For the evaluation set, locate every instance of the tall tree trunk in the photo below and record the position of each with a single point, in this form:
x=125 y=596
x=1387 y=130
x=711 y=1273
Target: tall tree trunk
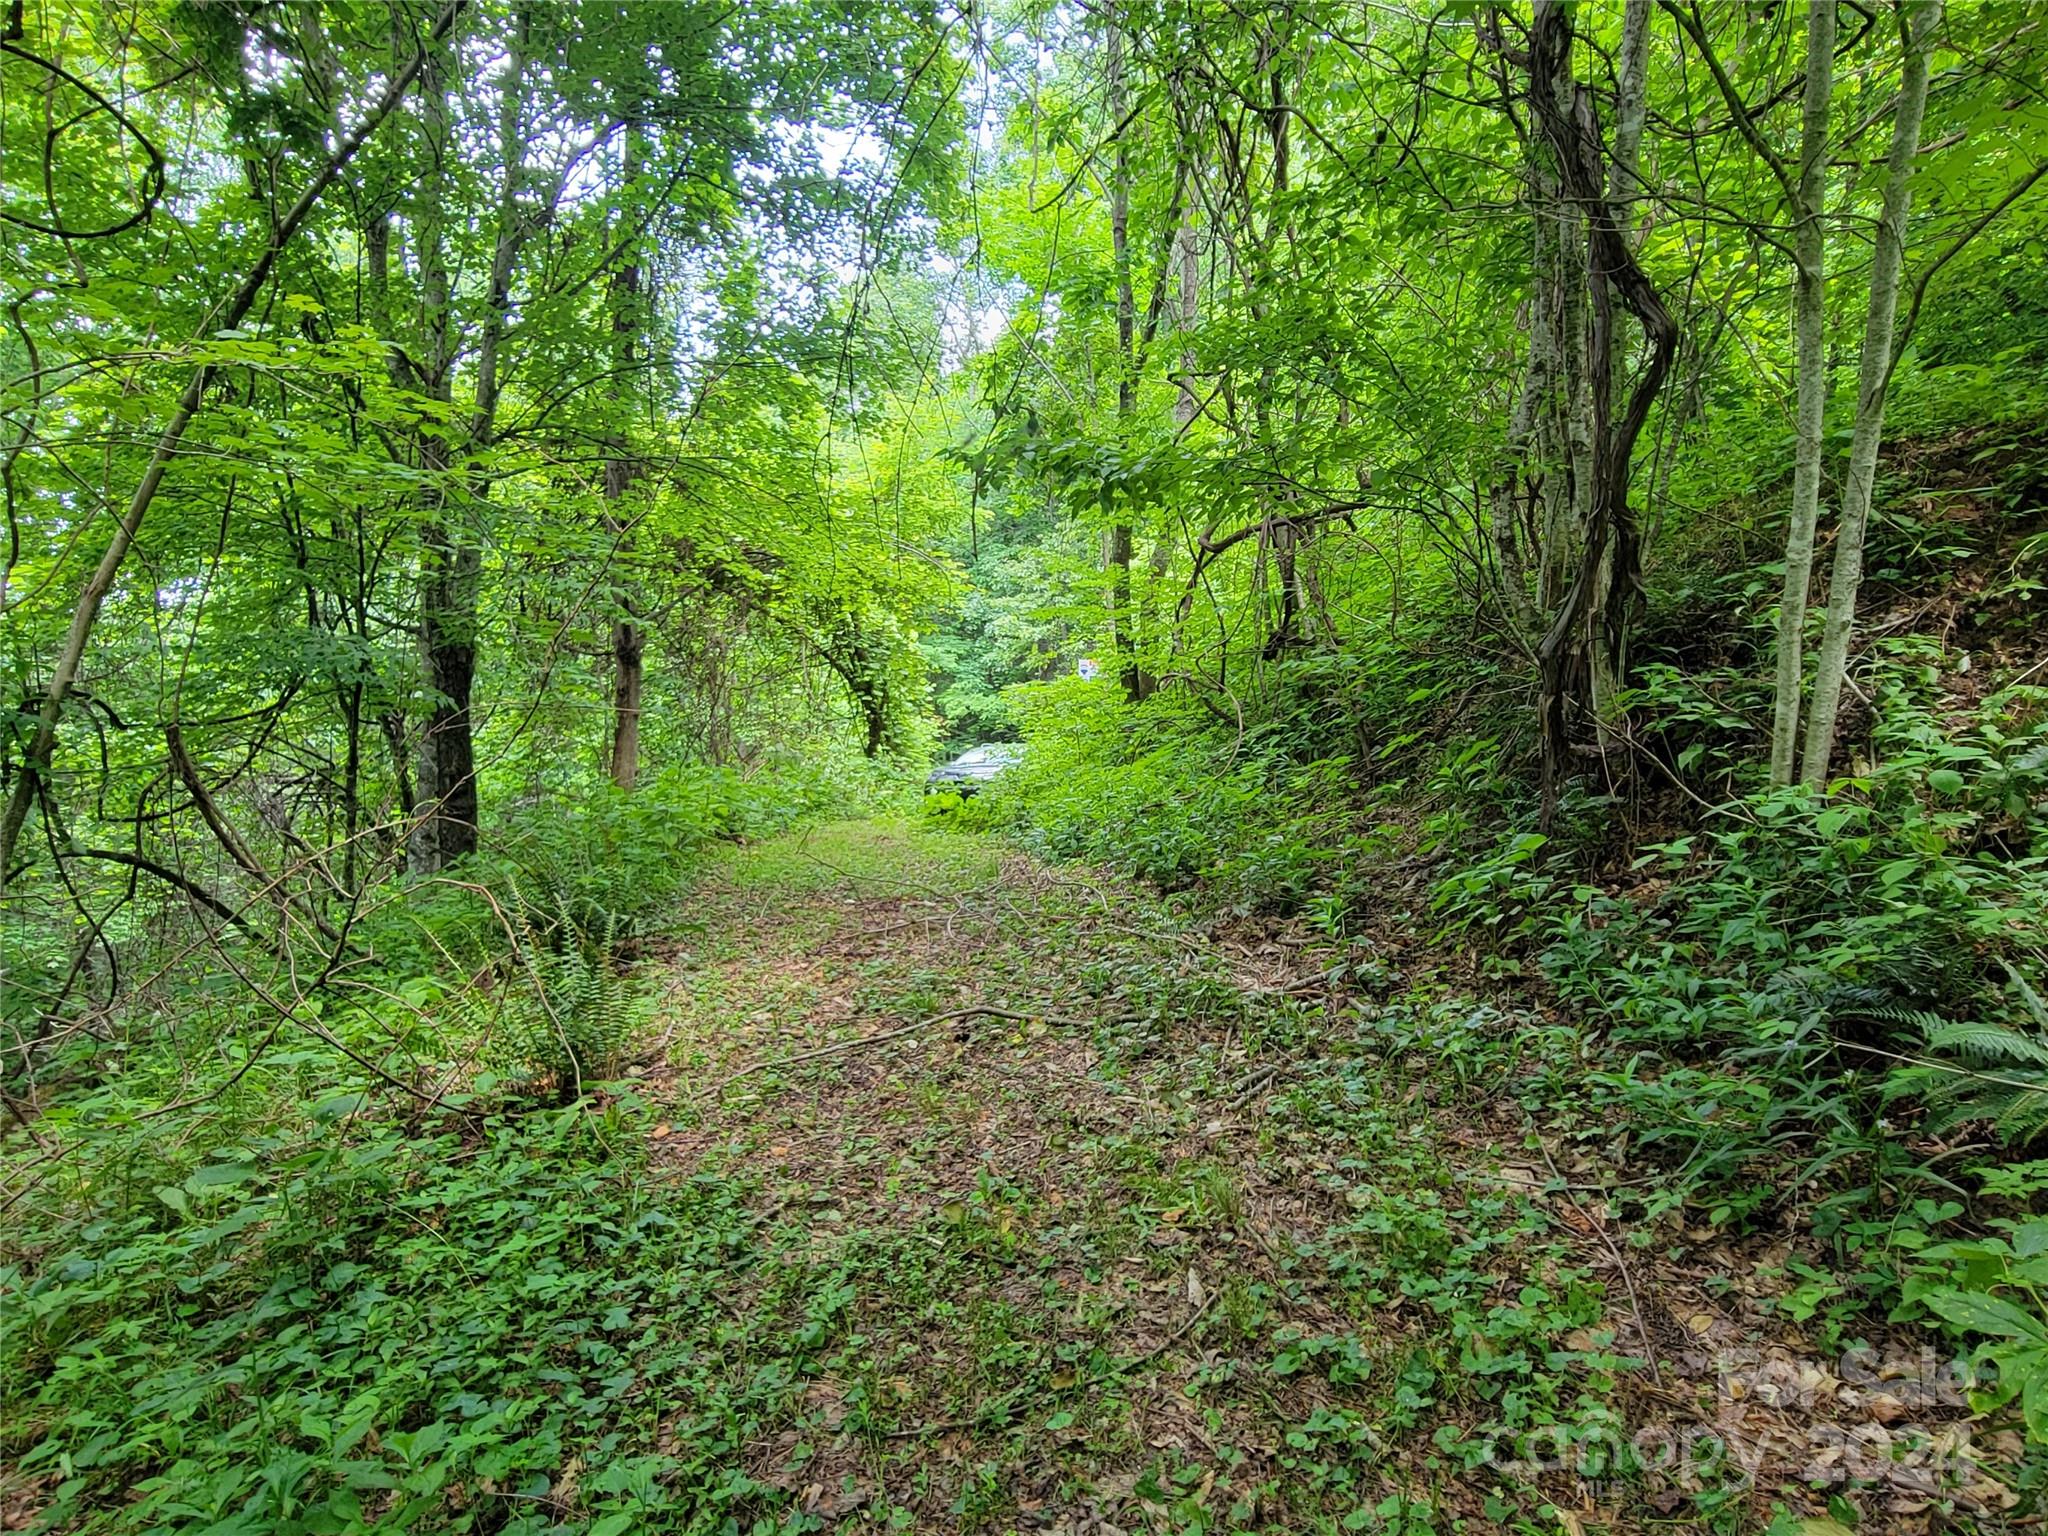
x=629 y=642
x=1287 y=534
x=1188 y=250
x=1917 y=23
x=451 y=576
x=444 y=773
x=1809 y=325
x=1520 y=505
x=1608 y=665
x=351 y=780
x=446 y=793
x=1187 y=315
x=1597 y=612
x=1116 y=542
x=1631 y=111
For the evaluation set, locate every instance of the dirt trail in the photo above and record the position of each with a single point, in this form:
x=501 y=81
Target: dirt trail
x=1146 y=1229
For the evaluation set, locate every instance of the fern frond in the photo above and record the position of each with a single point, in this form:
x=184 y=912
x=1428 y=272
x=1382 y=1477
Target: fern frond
x=1922 y=1019
x=1845 y=1000
x=1987 y=1043
x=2025 y=1117
x=2029 y=998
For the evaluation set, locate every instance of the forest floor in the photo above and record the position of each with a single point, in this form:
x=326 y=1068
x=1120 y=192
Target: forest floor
x=1139 y=1226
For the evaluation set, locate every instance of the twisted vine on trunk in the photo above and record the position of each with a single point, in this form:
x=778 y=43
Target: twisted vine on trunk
x=1588 y=617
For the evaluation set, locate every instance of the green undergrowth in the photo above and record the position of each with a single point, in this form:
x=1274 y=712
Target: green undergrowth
x=1812 y=1013
x=506 y=1326
x=514 y=974
x=366 y=1245
x=1205 y=1257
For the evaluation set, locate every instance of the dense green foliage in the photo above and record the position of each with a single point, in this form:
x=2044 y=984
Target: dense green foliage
x=431 y=1280
x=1555 y=497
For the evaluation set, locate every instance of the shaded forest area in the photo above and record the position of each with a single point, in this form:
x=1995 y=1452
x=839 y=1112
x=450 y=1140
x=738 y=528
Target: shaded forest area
x=1510 y=540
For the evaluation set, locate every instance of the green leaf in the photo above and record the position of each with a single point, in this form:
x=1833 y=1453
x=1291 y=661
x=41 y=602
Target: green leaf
x=216 y=1175
x=337 y=1105
x=1976 y=1312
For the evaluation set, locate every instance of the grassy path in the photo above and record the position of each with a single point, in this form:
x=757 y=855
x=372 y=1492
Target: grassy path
x=961 y=1194
x=1175 y=1236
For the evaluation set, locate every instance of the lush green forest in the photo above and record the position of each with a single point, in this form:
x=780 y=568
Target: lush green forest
x=1503 y=985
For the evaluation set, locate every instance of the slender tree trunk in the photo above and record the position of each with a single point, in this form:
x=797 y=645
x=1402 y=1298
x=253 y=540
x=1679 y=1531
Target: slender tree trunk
x=1116 y=542
x=1809 y=325
x=628 y=646
x=1288 y=536
x=1186 y=407
x=1608 y=666
x=445 y=770
x=1561 y=318
x=1519 y=505
x=629 y=641
x=1606 y=585
x=1631 y=112
x=1917 y=24
x=451 y=577
x=351 y=781
x=871 y=697
x=1190 y=315
x=445 y=793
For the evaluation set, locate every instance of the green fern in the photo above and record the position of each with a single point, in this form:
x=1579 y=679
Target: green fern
x=562 y=1009
x=1986 y=1071
x=1987 y=1044
x=2025 y=1117
x=1925 y=1020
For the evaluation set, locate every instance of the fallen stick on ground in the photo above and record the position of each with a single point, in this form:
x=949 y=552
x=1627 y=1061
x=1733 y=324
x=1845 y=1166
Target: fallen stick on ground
x=1600 y=1230
x=978 y=1011
x=1249 y=1089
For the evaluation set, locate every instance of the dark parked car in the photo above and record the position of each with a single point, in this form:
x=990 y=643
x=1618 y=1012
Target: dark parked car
x=970 y=770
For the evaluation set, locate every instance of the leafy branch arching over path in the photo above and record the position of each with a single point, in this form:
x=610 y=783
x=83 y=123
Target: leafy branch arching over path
x=1135 y=1228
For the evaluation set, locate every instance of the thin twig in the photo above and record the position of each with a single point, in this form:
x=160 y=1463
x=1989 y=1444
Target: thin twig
x=1627 y=1280
x=1249 y=1089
